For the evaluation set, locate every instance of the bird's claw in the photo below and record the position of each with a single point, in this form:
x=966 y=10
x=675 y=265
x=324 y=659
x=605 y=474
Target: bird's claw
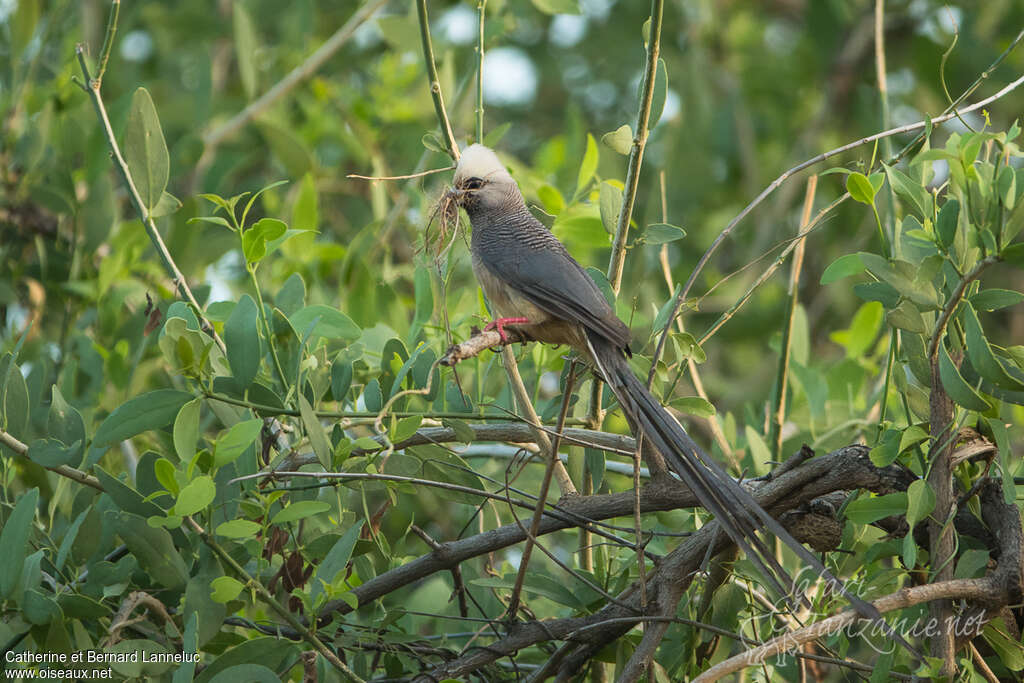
x=499 y=325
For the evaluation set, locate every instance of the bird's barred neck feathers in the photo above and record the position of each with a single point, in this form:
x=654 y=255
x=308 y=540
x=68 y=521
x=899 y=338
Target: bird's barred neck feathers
x=478 y=161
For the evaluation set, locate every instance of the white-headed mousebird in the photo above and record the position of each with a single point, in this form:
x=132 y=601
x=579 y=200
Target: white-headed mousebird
x=537 y=289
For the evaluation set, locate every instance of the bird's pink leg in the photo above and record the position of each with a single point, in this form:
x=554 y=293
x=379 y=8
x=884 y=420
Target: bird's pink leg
x=499 y=324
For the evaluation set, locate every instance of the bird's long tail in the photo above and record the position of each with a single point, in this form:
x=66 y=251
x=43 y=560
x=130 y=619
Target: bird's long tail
x=739 y=515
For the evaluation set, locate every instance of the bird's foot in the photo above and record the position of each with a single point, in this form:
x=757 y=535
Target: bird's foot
x=499 y=325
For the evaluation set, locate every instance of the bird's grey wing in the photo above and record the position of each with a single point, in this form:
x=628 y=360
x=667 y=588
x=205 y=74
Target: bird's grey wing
x=536 y=265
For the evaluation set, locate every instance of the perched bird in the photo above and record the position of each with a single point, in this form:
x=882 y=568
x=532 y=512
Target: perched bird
x=537 y=289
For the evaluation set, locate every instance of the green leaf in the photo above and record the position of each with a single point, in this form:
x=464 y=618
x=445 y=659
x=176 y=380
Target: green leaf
x=659 y=94
x=601 y=280
x=588 y=166
x=190 y=643
x=619 y=140
x=1014 y=254
x=1002 y=439
x=225 y=589
x=316 y=433
x=557 y=6
x=1006 y=185
x=842 y=267
x=64 y=422
x=243 y=341
x=981 y=355
x=236 y=663
x=145 y=150
x=216 y=220
x=463 y=432
x=254 y=240
x=887 y=449
x=662 y=233
x=882 y=292
x=341 y=377
x=300 y=510
x=611 y=206
x=199 y=493
x=432 y=143
x=153 y=410
x=424 y=297
x=164 y=471
x=186 y=430
x=906 y=317
x=245 y=47
x=899 y=274
x=14 y=403
x=994 y=299
x=759 y=451
x=292 y=295
x=288 y=148
x=866 y=510
x=405 y=428
x=238 y=528
x=552 y=200
x=694 y=405
x=22 y=28
x=53 y=453
x=945 y=224
x=861 y=333
x=332 y=323
x=913 y=193
x=14 y=541
x=336 y=560
x=971 y=563
x=255 y=196
x=253 y=673
x=167 y=205
x=1008 y=648
x=236 y=441
x=860 y=188
x=153 y=548
x=492 y=138
x=125 y=497
x=920 y=502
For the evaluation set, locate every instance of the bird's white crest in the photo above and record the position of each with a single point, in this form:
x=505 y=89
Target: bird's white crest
x=478 y=161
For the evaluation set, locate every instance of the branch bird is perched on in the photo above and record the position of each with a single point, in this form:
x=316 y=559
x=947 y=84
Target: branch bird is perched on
x=535 y=287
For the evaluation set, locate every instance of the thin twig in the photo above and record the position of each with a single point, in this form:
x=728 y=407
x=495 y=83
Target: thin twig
x=779 y=260
x=147 y=220
x=636 y=154
x=108 y=41
x=782 y=374
x=480 y=6
x=434 y=82
x=297 y=75
x=617 y=260
x=63 y=470
x=525 y=405
x=970 y=589
x=538 y=513
x=458 y=585
x=954 y=301
x=684 y=292
x=713 y=422
x=400 y=177
x=308 y=633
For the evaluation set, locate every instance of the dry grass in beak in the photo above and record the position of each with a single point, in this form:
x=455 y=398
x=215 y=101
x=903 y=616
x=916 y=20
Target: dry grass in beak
x=446 y=214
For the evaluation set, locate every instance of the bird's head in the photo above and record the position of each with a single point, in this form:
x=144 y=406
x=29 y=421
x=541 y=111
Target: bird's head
x=483 y=182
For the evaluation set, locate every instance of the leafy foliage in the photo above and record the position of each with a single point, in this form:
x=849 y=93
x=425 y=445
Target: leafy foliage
x=321 y=318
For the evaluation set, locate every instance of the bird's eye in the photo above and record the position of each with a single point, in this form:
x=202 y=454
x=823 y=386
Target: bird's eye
x=474 y=184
